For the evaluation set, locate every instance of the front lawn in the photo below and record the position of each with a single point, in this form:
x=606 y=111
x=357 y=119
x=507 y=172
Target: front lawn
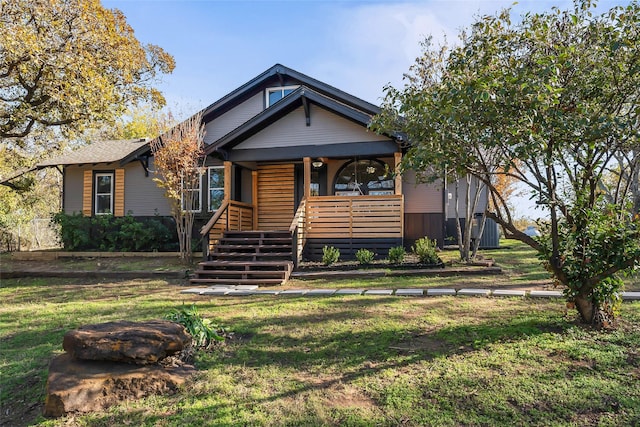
x=339 y=360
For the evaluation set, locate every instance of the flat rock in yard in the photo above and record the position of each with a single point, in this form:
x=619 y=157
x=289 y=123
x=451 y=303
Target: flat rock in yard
x=80 y=386
x=320 y=292
x=197 y=291
x=410 y=292
x=349 y=291
x=440 y=291
x=240 y=292
x=140 y=343
x=379 y=292
x=216 y=291
x=474 y=292
x=294 y=292
x=509 y=293
x=266 y=292
x=545 y=294
x=630 y=295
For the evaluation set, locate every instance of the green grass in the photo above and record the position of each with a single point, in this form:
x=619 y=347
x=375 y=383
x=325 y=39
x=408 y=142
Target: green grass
x=340 y=360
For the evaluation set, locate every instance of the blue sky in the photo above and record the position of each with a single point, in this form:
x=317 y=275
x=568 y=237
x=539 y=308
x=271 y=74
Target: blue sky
x=357 y=46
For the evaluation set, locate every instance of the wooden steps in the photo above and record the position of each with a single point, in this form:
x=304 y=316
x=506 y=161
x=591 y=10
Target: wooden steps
x=248 y=258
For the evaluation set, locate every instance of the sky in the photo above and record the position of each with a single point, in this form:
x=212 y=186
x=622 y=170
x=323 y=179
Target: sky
x=357 y=46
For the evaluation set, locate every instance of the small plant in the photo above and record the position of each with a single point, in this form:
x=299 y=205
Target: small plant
x=202 y=331
x=364 y=256
x=330 y=255
x=397 y=254
x=426 y=251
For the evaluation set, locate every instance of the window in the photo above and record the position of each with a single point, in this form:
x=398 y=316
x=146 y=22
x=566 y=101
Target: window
x=275 y=94
x=192 y=197
x=364 y=177
x=103 y=187
x=216 y=187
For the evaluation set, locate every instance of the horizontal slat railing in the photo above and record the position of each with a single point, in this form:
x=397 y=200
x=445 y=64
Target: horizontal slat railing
x=230 y=216
x=354 y=217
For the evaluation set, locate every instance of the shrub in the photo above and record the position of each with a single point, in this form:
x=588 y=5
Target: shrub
x=364 y=256
x=202 y=331
x=426 y=251
x=396 y=255
x=330 y=255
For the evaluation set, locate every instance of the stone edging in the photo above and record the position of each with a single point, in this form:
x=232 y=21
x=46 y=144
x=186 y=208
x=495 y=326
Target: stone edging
x=247 y=290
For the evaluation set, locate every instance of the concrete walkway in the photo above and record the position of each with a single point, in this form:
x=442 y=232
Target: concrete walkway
x=248 y=290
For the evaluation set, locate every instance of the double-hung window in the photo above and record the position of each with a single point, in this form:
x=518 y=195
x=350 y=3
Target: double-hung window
x=103 y=197
x=192 y=195
x=216 y=187
x=275 y=94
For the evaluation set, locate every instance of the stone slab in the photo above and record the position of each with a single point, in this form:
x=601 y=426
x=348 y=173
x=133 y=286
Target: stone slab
x=349 y=291
x=193 y=291
x=545 y=294
x=266 y=292
x=320 y=292
x=216 y=291
x=630 y=296
x=509 y=293
x=379 y=292
x=410 y=292
x=222 y=287
x=246 y=287
x=474 y=292
x=240 y=292
x=440 y=291
x=294 y=292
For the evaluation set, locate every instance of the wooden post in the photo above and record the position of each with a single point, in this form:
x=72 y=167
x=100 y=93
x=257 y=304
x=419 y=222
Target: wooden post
x=227 y=180
x=398 y=183
x=254 y=197
x=307 y=177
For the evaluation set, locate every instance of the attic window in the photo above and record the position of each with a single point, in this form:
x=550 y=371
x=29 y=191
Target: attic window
x=275 y=94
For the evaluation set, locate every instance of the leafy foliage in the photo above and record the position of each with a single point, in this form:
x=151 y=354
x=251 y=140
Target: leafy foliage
x=397 y=255
x=330 y=255
x=427 y=251
x=179 y=160
x=550 y=101
x=203 y=332
x=109 y=233
x=89 y=71
x=365 y=256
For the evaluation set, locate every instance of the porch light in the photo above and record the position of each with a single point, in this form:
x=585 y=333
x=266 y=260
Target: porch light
x=317 y=164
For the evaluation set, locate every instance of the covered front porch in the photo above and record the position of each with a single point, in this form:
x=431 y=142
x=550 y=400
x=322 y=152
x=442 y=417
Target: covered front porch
x=316 y=203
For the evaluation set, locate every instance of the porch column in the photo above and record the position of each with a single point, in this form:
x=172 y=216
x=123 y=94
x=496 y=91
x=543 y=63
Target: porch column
x=398 y=179
x=307 y=177
x=254 y=197
x=227 y=180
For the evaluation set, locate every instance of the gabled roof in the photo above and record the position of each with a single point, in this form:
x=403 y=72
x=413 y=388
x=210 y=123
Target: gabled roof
x=303 y=96
x=279 y=75
x=97 y=152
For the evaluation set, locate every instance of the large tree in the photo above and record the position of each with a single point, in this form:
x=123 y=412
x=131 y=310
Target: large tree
x=69 y=64
x=551 y=101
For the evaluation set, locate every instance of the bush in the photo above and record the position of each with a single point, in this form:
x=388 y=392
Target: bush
x=396 y=255
x=330 y=255
x=109 y=233
x=364 y=256
x=202 y=331
x=426 y=250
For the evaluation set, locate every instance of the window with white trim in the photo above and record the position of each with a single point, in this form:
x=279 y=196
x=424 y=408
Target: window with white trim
x=191 y=198
x=275 y=94
x=103 y=196
x=216 y=187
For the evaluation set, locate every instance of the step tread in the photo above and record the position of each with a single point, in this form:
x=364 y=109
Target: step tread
x=245 y=263
x=237 y=281
x=240 y=272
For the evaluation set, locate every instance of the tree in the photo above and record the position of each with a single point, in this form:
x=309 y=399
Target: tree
x=69 y=64
x=552 y=102
x=178 y=159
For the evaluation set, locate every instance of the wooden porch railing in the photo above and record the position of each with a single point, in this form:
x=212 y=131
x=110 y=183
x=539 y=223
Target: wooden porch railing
x=230 y=216
x=354 y=217
x=297 y=230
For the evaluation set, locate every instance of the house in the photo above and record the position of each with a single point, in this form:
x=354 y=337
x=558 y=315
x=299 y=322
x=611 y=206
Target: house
x=284 y=152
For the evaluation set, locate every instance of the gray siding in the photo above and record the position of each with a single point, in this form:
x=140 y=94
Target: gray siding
x=325 y=128
x=421 y=198
x=72 y=191
x=230 y=120
x=142 y=196
x=462 y=189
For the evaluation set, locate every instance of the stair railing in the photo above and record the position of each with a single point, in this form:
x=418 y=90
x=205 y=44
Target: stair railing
x=297 y=230
x=204 y=231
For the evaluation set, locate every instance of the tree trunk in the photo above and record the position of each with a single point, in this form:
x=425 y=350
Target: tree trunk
x=592 y=314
